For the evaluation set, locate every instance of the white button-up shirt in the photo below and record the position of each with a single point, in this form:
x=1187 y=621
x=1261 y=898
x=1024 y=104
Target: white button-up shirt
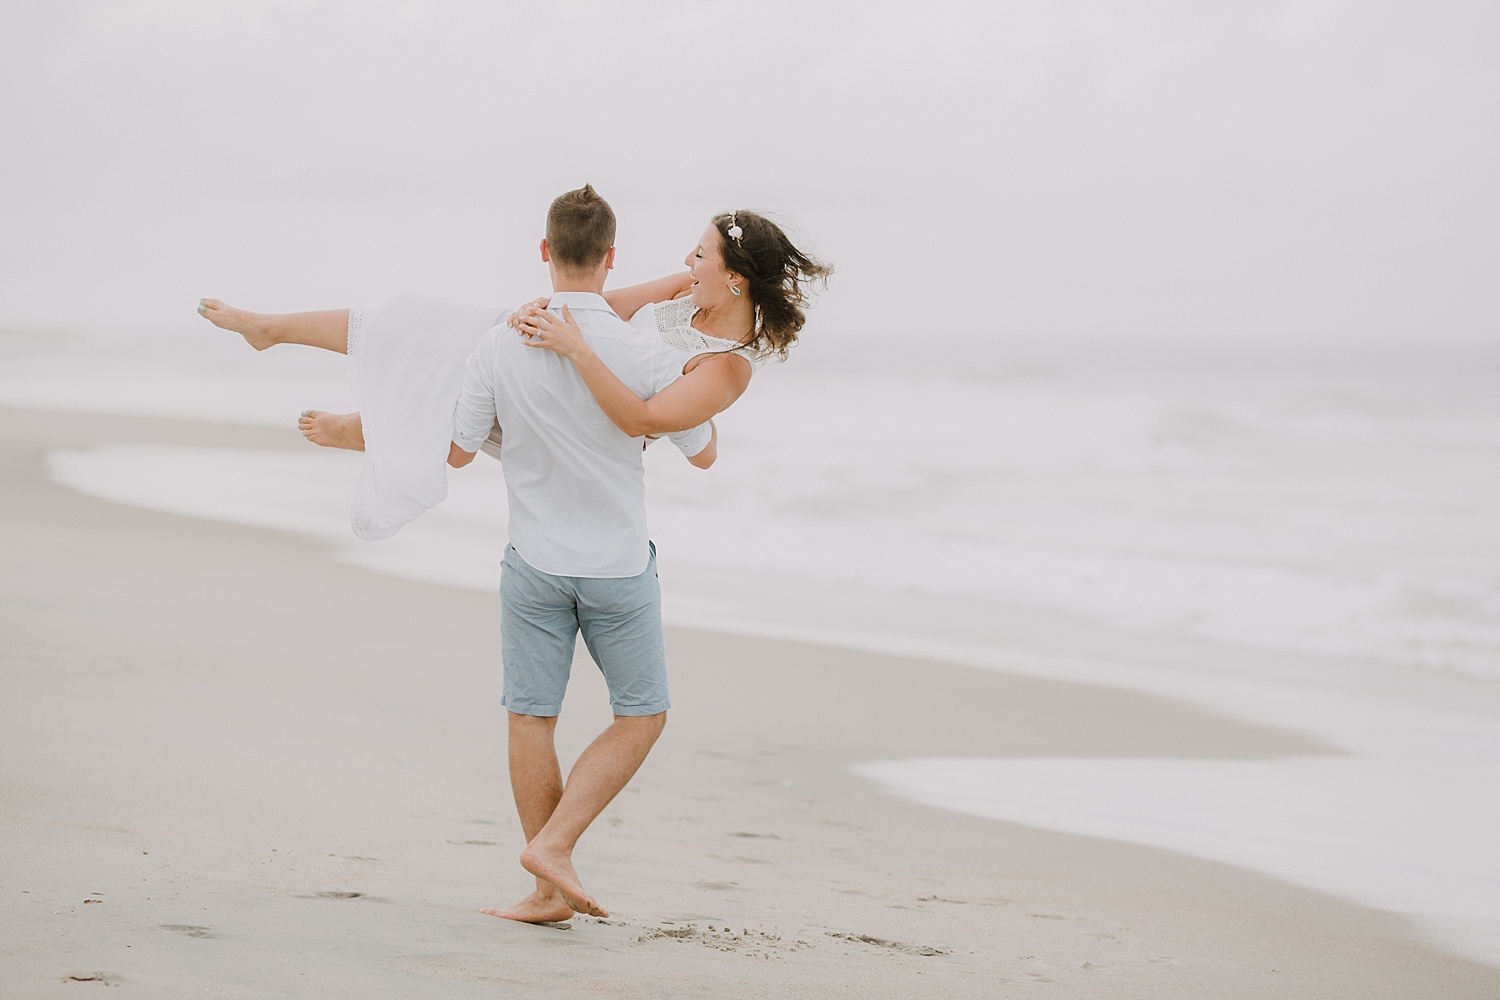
x=576 y=482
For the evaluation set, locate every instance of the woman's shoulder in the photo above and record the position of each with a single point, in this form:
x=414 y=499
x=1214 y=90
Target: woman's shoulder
x=669 y=314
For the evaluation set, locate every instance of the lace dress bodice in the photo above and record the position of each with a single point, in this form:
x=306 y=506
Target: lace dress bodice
x=674 y=321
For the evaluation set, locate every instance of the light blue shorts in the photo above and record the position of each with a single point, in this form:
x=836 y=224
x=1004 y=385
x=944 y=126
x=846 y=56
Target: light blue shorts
x=620 y=618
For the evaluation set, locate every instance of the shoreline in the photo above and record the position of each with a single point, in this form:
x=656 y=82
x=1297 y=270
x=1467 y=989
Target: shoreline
x=210 y=778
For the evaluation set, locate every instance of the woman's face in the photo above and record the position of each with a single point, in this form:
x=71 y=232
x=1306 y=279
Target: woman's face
x=711 y=282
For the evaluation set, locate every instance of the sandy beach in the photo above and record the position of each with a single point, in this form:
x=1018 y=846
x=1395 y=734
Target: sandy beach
x=236 y=767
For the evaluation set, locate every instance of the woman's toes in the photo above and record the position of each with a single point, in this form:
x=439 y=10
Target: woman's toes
x=251 y=326
x=332 y=430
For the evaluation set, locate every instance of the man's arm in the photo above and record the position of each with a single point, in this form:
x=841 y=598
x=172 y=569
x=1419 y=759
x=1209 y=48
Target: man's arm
x=474 y=414
x=458 y=458
x=710 y=453
x=626 y=302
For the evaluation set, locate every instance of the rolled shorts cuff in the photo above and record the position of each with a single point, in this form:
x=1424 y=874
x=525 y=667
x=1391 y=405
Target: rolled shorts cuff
x=635 y=711
x=524 y=708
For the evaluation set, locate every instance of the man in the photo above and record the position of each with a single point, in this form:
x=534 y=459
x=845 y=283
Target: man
x=579 y=559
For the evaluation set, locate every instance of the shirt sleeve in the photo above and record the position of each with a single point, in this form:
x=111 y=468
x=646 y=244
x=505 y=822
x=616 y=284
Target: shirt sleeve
x=692 y=440
x=475 y=414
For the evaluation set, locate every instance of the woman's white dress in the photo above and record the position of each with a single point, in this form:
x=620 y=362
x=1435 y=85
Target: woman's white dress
x=406 y=366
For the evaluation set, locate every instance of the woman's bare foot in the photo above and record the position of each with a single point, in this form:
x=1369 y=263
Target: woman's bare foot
x=255 y=328
x=333 y=430
x=557 y=868
x=541 y=907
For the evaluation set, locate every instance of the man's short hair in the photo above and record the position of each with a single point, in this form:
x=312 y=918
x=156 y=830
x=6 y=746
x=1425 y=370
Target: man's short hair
x=580 y=229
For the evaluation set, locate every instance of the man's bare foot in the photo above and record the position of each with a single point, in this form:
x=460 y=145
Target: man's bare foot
x=333 y=430
x=538 y=908
x=255 y=328
x=557 y=868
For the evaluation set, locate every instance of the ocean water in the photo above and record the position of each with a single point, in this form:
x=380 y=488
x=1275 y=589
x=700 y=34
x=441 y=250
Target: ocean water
x=1304 y=536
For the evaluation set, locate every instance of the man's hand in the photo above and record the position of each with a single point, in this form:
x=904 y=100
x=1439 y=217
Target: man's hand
x=710 y=454
x=457 y=457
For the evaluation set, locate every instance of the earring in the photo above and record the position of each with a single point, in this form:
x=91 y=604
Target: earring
x=735 y=289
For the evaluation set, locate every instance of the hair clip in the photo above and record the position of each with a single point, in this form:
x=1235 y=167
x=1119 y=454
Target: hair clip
x=734 y=230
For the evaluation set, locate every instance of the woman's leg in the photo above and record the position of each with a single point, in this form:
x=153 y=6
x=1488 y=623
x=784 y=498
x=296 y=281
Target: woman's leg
x=328 y=328
x=333 y=430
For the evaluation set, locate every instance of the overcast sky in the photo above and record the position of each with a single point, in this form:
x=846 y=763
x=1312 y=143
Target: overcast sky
x=1050 y=167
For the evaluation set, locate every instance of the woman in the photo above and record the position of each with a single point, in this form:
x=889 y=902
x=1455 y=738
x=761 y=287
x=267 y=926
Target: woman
x=744 y=305
x=740 y=303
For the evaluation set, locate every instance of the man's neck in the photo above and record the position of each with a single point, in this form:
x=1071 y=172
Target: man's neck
x=575 y=281
x=561 y=284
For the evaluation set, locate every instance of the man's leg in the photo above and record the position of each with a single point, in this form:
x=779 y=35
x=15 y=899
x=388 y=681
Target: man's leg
x=536 y=782
x=621 y=621
x=538 y=627
x=601 y=771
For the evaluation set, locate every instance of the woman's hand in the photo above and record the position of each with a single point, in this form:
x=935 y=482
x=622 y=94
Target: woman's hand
x=560 y=335
x=529 y=309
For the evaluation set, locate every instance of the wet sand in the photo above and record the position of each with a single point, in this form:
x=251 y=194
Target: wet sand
x=234 y=766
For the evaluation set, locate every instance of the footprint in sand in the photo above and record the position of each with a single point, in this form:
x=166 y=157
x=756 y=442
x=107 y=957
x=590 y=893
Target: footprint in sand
x=901 y=946
x=189 y=930
x=753 y=943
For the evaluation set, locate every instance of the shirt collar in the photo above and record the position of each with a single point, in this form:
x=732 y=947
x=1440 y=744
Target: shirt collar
x=578 y=300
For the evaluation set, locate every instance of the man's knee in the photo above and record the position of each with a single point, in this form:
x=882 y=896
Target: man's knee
x=653 y=724
x=520 y=723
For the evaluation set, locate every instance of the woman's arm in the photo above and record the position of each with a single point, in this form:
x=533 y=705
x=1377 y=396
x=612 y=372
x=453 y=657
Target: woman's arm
x=626 y=302
x=712 y=385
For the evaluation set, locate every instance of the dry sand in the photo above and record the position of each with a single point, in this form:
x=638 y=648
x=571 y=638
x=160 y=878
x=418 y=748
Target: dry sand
x=236 y=767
